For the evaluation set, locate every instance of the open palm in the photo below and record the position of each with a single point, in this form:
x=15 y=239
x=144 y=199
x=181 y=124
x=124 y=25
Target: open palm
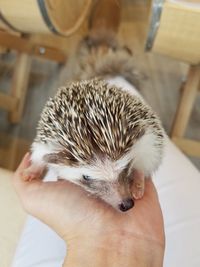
x=75 y=215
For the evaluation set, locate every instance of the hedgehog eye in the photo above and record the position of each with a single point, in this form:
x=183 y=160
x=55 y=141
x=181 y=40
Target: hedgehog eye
x=86 y=177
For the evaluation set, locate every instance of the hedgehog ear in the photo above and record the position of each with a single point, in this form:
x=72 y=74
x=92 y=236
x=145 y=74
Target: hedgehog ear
x=60 y=158
x=55 y=158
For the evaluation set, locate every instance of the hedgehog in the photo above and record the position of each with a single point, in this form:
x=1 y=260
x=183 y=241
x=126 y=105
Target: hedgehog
x=100 y=137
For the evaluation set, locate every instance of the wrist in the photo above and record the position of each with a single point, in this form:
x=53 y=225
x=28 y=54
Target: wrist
x=114 y=252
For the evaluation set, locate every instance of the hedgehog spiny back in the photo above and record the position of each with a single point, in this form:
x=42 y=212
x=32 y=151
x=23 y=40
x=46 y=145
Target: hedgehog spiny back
x=91 y=117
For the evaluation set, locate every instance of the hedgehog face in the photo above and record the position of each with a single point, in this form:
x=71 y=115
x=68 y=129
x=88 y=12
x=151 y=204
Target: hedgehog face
x=109 y=179
x=103 y=178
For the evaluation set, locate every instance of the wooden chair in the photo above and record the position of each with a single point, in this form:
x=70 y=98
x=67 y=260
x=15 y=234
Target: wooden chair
x=184 y=109
x=175 y=32
x=32 y=28
x=13 y=102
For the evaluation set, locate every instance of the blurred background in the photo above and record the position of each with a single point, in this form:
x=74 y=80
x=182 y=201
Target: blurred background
x=33 y=56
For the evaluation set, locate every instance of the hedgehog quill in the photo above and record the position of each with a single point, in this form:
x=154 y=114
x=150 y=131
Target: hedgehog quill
x=100 y=137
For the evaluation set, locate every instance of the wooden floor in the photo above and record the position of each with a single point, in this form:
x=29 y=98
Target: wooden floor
x=160 y=85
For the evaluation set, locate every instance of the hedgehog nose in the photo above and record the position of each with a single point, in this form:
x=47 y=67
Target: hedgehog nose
x=126 y=204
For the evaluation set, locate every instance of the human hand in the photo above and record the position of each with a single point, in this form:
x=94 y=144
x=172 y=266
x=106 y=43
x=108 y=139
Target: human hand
x=96 y=234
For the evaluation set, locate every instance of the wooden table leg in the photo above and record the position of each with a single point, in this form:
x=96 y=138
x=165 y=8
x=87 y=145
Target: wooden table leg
x=19 y=85
x=186 y=102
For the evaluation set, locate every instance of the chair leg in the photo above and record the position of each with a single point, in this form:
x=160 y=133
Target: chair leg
x=19 y=85
x=186 y=102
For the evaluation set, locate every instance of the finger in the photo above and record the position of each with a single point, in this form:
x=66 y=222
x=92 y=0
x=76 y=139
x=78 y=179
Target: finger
x=25 y=163
x=152 y=197
x=150 y=189
x=18 y=182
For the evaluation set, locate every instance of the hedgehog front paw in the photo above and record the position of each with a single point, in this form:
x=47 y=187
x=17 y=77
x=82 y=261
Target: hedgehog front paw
x=138 y=185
